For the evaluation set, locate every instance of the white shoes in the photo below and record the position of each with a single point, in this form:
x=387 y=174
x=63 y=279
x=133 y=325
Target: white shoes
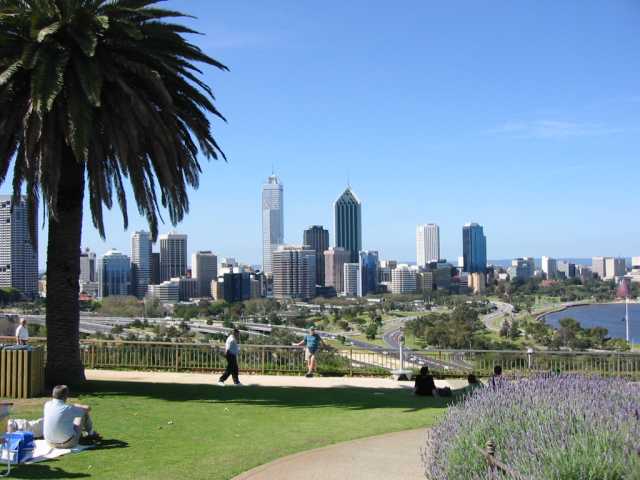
x=221 y=384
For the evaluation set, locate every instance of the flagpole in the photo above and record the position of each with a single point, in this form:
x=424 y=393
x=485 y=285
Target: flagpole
x=627 y=318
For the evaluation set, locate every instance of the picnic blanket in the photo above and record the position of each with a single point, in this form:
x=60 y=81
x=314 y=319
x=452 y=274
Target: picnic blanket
x=44 y=451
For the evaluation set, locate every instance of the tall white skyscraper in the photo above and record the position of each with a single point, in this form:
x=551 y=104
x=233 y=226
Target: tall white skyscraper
x=173 y=256
x=550 y=267
x=140 y=262
x=427 y=244
x=204 y=268
x=18 y=253
x=272 y=221
x=87 y=266
x=352 y=280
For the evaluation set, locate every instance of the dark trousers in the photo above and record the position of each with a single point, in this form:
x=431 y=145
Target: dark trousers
x=232 y=369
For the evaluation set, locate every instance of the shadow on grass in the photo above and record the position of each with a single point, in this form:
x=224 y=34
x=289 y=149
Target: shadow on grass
x=353 y=398
x=43 y=470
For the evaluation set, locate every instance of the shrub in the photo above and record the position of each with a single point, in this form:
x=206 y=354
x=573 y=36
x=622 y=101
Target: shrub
x=558 y=427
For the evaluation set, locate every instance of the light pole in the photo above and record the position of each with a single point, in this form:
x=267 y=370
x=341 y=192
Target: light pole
x=626 y=316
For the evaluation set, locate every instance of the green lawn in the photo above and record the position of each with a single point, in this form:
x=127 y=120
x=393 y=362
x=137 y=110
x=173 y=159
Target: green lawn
x=166 y=431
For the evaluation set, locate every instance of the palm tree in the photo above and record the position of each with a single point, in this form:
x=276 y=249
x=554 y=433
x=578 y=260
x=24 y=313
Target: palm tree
x=94 y=93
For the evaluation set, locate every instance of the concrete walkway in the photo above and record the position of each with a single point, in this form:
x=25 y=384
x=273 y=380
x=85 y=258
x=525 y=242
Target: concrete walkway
x=394 y=456
x=259 y=380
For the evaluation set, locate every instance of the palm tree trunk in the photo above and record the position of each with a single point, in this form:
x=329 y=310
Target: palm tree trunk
x=63 y=271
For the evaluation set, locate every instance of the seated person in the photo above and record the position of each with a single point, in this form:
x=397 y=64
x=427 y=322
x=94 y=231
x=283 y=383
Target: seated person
x=474 y=383
x=64 y=423
x=424 y=383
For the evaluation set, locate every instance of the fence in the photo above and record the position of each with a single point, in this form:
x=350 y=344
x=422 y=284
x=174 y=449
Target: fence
x=21 y=373
x=278 y=359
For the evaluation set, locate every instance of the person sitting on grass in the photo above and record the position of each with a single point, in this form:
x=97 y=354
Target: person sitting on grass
x=474 y=383
x=425 y=385
x=64 y=424
x=312 y=344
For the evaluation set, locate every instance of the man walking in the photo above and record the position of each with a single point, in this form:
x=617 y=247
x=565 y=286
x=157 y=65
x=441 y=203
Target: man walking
x=22 y=332
x=231 y=350
x=312 y=343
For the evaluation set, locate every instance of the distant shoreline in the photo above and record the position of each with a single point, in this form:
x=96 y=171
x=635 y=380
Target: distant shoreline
x=586 y=303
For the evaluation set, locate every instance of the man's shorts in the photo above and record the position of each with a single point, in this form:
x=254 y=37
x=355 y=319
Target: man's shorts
x=308 y=354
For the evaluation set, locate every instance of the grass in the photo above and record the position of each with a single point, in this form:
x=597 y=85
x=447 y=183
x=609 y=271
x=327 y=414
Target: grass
x=170 y=431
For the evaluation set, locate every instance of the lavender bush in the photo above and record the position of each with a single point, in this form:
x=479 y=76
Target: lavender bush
x=562 y=427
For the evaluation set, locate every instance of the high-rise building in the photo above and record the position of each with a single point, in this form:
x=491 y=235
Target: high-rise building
x=166 y=292
x=317 y=239
x=272 y=221
x=114 y=274
x=140 y=263
x=204 y=268
x=567 y=269
x=18 y=251
x=598 y=267
x=522 y=268
x=187 y=288
x=235 y=287
x=294 y=272
x=615 y=268
x=477 y=283
x=352 y=280
x=348 y=223
x=87 y=266
x=403 y=280
x=474 y=248
x=334 y=260
x=173 y=256
x=368 y=260
x=155 y=268
x=550 y=267
x=427 y=244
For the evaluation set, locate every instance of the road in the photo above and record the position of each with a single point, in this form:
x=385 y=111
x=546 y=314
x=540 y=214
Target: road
x=493 y=320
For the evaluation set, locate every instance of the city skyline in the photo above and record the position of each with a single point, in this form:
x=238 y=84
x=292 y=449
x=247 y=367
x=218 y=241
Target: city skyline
x=521 y=130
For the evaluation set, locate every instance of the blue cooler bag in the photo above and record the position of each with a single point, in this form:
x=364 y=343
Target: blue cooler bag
x=20 y=446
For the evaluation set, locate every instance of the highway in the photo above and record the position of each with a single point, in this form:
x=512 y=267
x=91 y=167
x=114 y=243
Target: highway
x=493 y=320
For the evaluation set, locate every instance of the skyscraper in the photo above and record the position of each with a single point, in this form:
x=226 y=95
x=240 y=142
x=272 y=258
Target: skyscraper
x=427 y=244
x=294 y=272
x=334 y=260
x=272 y=221
x=173 y=256
x=403 y=280
x=598 y=266
x=140 y=263
x=155 y=268
x=18 y=251
x=615 y=268
x=352 y=279
x=348 y=223
x=204 y=268
x=550 y=267
x=474 y=248
x=368 y=260
x=317 y=239
x=87 y=266
x=114 y=274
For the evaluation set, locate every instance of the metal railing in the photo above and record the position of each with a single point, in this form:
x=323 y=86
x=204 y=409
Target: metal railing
x=278 y=359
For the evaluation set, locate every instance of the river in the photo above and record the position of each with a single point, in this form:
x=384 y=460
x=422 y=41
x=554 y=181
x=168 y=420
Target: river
x=609 y=316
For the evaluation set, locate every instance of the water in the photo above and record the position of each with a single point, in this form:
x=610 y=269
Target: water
x=609 y=316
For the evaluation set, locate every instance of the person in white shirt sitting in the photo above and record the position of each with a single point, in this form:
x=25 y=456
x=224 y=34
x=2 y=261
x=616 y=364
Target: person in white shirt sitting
x=22 y=333
x=231 y=350
x=65 y=423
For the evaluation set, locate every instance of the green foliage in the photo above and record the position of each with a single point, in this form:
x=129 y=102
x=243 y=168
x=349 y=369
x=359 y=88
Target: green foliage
x=120 y=306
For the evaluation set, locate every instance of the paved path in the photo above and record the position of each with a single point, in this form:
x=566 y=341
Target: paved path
x=258 y=380
x=394 y=456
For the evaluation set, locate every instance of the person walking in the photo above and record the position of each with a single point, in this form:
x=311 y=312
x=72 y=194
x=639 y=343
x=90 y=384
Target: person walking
x=312 y=344
x=231 y=350
x=22 y=332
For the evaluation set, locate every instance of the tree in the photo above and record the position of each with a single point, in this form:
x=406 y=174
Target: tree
x=92 y=93
x=371 y=330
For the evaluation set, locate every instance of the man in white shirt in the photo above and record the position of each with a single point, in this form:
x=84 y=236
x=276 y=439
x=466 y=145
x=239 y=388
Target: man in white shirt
x=231 y=350
x=22 y=333
x=64 y=423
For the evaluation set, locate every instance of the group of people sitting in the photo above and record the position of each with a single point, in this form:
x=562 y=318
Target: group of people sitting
x=425 y=385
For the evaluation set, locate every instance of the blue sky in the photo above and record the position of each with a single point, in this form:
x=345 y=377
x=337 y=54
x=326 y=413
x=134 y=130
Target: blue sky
x=522 y=116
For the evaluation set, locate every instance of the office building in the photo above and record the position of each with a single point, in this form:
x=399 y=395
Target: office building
x=550 y=267
x=474 y=248
x=234 y=287
x=140 y=263
x=187 y=288
x=272 y=221
x=403 y=280
x=173 y=256
x=294 y=272
x=522 y=268
x=584 y=272
x=18 y=251
x=598 y=267
x=348 y=223
x=352 y=280
x=87 y=266
x=334 y=260
x=441 y=274
x=167 y=292
x=615 y=268
x=477 y=283
x=317 y=239
x=204 y=268
x=368 y=261
x=427 y=244
x=155 y=268
x=567 y=269
x=113 y=274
